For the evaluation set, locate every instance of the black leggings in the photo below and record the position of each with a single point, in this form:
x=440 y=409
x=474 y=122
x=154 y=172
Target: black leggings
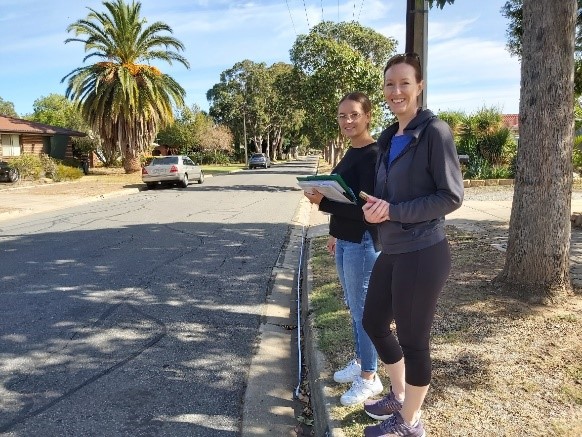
x=405 y=288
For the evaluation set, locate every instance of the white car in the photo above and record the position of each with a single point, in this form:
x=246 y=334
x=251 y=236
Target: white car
x=172 y=169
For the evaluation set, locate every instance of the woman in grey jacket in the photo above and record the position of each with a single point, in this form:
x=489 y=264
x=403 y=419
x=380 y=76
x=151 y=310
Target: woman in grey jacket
x=418 y=182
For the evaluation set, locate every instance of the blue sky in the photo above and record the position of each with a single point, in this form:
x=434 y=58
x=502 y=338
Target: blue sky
x=468 y=65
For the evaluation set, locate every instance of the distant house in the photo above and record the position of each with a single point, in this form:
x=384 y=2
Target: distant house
x=21 y=137
x=512 y=123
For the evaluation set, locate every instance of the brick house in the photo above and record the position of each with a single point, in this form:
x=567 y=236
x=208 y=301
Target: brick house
x=512 y=123
x=21 y=137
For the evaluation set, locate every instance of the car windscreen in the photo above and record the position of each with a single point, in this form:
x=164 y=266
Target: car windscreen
x=165 y=161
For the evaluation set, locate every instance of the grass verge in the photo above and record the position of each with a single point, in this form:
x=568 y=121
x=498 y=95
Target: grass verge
x=500 y=366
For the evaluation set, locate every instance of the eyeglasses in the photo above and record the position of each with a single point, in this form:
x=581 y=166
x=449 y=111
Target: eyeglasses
x=349 y=117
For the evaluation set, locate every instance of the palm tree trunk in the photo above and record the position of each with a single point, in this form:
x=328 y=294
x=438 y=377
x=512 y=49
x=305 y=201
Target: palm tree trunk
x=131 y=161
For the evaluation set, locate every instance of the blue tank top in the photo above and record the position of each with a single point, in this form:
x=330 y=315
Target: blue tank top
x=397 y=145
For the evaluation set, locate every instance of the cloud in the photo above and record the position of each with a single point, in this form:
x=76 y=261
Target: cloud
x=443 y=31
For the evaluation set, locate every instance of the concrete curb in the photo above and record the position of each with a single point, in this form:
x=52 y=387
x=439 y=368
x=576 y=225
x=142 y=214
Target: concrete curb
x=268 y=407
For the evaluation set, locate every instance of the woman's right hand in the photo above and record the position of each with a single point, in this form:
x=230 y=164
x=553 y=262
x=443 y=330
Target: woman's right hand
x=330 y=246
x=376 y=210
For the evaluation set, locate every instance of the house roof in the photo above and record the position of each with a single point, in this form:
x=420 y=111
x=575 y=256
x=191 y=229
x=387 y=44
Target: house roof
x=510 y=120
x=20 y=126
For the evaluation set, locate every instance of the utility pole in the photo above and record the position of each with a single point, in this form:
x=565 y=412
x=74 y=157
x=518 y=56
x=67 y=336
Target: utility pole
x=245 y=135
x=417 y=37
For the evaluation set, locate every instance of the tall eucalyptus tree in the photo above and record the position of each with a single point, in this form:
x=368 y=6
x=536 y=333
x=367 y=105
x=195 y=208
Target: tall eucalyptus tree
x=124 y=98
x=332 y=60
x=240 y=101
x=547 y=38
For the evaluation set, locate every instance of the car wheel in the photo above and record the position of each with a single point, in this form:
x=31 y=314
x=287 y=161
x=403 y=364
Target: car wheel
x=185 y=181
x=201 y=178
x=13 y=175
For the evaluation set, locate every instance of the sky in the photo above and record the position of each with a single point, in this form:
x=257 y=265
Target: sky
x=468 y=66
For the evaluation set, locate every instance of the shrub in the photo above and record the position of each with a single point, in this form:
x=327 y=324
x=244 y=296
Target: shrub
x=502 y=172
x=29 y=166
x=488 y=142
x=35 y=166
x=66 y=173
x=455 y=120
x=497 y=146
x=577 y=153
x=145 y=160
x=479 y=168
x=49 y=166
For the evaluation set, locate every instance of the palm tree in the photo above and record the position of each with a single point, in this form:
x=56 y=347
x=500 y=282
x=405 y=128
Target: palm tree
x=122 y=99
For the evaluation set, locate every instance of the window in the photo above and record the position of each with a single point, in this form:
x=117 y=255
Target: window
x=166 y=160
x=10 y=144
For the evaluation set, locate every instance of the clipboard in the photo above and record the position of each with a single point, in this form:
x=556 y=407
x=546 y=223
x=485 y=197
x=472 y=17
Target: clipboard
x=331 y=186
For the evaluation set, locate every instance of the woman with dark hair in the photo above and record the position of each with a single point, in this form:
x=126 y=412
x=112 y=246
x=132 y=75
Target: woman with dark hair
x=353 y=242
x=418 y=182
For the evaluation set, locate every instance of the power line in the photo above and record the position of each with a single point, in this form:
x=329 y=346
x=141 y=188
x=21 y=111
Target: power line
x=291 y=16
x=360 y=13
x=306 y=16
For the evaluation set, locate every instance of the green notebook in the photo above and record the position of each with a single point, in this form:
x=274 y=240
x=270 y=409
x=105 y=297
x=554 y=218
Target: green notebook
x=331 y=186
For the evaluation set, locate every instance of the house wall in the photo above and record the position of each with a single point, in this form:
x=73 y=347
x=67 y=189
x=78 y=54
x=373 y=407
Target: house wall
x=38 y=144
x=32 y=144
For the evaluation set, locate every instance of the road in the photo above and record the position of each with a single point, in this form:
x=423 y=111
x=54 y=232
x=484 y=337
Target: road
x=138 y=315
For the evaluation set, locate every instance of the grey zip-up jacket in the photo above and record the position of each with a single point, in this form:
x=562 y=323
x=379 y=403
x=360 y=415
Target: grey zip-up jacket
x=422 y=184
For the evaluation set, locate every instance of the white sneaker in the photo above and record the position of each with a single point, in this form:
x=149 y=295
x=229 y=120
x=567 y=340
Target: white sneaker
x=348 y=373
x=361 y=390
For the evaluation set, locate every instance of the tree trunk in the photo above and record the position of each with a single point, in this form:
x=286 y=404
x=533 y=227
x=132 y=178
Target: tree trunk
x=131 y=160
x=538 y=250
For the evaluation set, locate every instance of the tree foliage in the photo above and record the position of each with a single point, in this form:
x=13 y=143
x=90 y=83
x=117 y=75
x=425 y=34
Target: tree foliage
x=256 y=102
x=439 y=3
x=195 y=131
x=513 y=11
x=7 y=108
x=183 y=133
x=123 y=99
x=332 y=60
x=276 y=106
x=57 y=110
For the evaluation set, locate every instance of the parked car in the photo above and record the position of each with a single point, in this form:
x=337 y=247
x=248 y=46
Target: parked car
x=8 y=173
x=259 y=160
x=173 y=169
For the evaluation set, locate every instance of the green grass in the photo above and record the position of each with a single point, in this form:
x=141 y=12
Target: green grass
x=222 y=169
x=334 y=331
x=332 y=317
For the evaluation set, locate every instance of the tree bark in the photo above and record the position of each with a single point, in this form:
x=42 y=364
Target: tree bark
x=131 y=160
x=538 y=251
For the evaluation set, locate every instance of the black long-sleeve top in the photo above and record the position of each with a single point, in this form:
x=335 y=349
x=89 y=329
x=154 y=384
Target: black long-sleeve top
x=357 y=168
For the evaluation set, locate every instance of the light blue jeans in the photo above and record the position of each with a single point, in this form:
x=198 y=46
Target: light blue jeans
x=354 y=262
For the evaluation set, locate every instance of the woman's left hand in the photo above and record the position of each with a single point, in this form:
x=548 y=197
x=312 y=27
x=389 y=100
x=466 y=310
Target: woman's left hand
x=314 y=196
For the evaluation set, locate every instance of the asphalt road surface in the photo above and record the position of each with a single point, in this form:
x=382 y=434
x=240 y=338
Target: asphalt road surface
x=138 y=315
